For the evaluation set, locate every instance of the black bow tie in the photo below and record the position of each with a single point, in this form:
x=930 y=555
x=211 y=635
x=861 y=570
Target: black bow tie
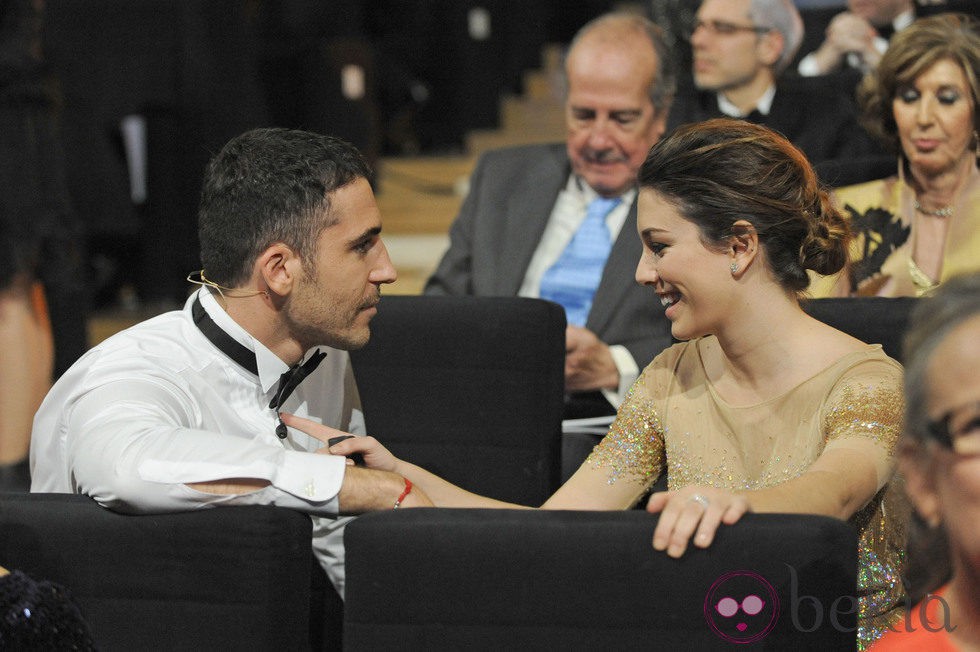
x=294 y=376
x=289 y=381
x=246 y=358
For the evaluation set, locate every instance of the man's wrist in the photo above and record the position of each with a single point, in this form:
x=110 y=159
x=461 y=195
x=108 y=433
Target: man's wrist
x=404 y=494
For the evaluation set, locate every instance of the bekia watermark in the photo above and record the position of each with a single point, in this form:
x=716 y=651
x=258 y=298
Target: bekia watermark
x=743 y=607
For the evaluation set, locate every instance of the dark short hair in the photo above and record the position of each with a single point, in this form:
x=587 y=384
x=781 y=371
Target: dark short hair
x=911 y=52
x=266 y=186
x=723 y=170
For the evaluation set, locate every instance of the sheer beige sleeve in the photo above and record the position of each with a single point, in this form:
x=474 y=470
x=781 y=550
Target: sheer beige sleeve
x=863 y=414
x=624 y=465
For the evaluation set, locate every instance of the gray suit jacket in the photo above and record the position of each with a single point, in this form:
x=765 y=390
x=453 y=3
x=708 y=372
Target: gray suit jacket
x=512 y=193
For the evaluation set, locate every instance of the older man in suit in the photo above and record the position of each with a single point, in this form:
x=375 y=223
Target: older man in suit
x=559 y=221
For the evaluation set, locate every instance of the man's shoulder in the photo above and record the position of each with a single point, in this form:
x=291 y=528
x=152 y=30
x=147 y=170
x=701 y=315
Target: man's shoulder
x=167 y=337
x=536 y=165
x=527 y=153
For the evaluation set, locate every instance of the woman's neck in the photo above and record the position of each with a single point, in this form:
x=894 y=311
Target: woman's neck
x=751 y=361
x=942 y=190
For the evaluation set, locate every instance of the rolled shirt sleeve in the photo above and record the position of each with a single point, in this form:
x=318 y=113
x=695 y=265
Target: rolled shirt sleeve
x=130 y=451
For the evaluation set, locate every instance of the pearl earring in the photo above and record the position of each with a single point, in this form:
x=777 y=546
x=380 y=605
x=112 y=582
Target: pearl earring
x=734 y=268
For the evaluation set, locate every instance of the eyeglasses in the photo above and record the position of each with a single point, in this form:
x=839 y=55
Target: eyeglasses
x=723 y=28
x=958 y=429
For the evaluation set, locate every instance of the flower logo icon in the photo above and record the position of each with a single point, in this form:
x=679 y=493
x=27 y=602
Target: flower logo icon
x=741 y=607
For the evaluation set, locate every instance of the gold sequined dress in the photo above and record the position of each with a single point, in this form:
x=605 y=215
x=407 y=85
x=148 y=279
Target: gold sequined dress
x=881 y=217
x=673 y=418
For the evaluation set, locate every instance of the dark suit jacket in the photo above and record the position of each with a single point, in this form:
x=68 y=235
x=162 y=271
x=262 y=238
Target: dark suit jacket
x=512 y=193
x=810 y=111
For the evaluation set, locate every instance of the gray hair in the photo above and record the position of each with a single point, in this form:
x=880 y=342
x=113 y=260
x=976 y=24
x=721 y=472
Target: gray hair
x=664 y=83
x=783 y=17
x=928 y=564
x=954 y=302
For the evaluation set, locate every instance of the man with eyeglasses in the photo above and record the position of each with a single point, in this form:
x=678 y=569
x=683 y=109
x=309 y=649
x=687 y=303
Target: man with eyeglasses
x=740 y=48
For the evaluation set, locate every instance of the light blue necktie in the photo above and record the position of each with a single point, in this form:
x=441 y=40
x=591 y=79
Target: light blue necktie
x=573 y=279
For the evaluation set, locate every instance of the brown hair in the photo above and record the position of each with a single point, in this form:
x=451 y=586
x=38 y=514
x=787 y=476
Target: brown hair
x=720 y=171
x=911 y=52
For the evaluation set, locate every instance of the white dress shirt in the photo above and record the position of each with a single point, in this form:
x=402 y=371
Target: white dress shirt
x=566 y=217
x=158 y=406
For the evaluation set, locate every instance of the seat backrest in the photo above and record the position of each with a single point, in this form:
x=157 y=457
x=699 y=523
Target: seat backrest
x=216 y=579
x=875 y=320
x=470 y=388
x=462 y=579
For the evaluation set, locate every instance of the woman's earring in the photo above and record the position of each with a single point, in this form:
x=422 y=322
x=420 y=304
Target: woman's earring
x=734 y=268
x=976 y=143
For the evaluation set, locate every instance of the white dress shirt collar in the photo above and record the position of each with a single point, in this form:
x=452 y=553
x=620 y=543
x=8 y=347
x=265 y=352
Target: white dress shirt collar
x=270 y=366
x=763 y=106
x=578 y=187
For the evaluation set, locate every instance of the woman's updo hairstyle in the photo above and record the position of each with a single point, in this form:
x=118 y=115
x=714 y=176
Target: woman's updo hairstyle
x=724 y=170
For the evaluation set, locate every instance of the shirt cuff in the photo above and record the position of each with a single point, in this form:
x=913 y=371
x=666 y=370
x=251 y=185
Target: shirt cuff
x=311 y=477
x=628 y=373
x=808 y=67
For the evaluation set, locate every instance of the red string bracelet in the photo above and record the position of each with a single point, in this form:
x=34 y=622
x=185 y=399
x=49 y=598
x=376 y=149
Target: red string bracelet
x=408 y=490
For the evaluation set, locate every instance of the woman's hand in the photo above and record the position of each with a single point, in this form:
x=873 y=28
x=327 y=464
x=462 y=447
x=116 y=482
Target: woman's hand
x=375 y=455
x=694 y=511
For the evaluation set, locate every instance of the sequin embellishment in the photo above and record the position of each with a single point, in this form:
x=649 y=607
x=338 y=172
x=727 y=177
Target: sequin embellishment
x=634 y=448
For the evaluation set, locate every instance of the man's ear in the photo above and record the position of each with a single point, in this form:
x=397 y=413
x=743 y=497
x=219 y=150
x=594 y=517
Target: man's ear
x=660 y=122
x=770 y=47
x=743 y=246
x=279 y=267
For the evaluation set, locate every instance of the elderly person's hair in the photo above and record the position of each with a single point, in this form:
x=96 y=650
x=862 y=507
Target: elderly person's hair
x=721 y=171
x=664 y=84
x=932 y=320
x=954 y=302
x=266 y=186
x=911 y=52
x=783 y=17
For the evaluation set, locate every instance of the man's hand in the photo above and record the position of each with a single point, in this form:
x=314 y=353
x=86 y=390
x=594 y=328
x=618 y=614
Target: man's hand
x=375 y=488
x=847 y=33
x=588 y=363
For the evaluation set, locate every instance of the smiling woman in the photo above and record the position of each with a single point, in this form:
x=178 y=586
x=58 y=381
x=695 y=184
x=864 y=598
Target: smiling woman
x=764 y=408
x=921 y=226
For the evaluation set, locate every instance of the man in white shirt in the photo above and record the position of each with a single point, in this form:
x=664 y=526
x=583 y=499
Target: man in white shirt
x=857 y=38
x=182 y=411
x=526 y=205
